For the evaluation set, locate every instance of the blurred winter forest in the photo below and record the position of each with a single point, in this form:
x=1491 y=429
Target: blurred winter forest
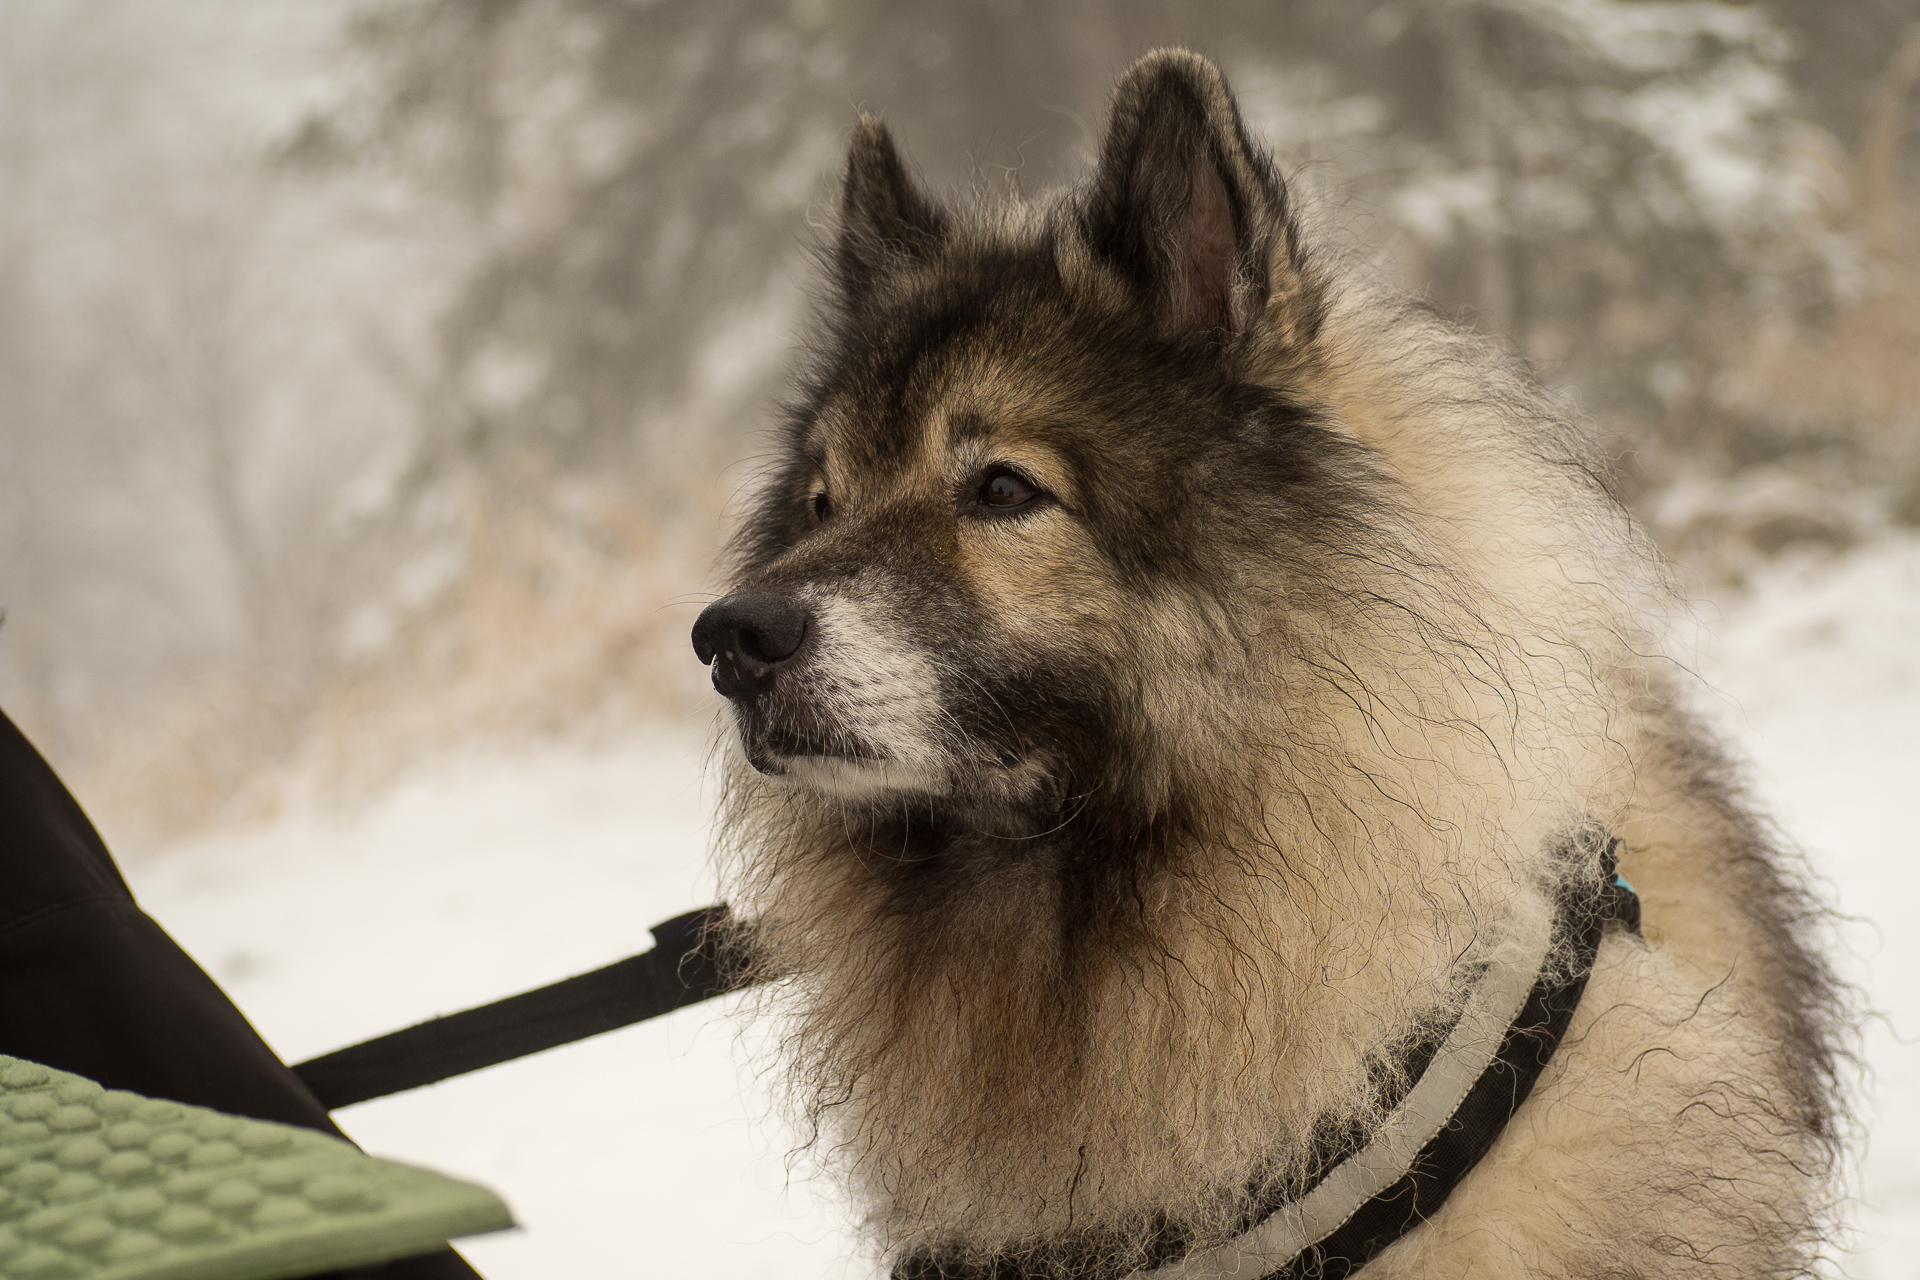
x=376 y=376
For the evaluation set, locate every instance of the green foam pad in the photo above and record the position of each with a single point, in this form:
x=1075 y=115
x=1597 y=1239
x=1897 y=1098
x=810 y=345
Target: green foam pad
x=98 y=1184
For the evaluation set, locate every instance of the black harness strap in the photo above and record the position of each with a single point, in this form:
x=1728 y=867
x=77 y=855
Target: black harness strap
x=1581 y=917
x=1525 y=1051
x=683 y=968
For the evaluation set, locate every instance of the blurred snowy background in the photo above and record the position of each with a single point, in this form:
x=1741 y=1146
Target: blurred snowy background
x=376 y=378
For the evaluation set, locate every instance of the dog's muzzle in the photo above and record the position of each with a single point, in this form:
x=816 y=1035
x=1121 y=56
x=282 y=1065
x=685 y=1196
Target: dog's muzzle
x=746 y=637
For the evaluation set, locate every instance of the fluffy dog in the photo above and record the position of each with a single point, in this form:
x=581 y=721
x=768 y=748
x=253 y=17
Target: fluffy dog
x=1172 y=674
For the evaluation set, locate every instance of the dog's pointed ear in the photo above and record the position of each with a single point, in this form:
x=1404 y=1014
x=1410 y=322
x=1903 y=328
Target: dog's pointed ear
x=1184 y=208
x=886 y=221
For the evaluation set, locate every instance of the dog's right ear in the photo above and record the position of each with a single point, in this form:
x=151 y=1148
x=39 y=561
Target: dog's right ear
x=886 y=221
x=1184 y=210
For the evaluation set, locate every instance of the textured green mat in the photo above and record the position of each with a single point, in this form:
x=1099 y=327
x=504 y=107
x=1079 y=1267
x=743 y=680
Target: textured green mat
x=96 y=1184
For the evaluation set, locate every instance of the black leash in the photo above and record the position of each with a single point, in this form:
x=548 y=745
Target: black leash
x=684 y=967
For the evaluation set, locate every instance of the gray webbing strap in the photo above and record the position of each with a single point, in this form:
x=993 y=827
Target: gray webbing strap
x=1462 y=1059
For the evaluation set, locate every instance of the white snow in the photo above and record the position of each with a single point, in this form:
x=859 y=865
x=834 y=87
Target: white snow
x=1818 y=670
x=644 y=1152
x=651 y=1151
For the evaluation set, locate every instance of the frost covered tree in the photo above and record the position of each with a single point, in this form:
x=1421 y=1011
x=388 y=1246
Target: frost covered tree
x=1611 y=183
x=186 y=399
x=642 y=170
x=223 y=406
x=1614 y=185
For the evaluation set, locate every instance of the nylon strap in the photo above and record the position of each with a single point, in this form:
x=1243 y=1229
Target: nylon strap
x=683 y=968
x=1457 y=1145
x=1374 y=1192
x=1465 y=1058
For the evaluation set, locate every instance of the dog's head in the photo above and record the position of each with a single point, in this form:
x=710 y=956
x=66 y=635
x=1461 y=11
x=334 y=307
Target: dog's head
x=1027 y=515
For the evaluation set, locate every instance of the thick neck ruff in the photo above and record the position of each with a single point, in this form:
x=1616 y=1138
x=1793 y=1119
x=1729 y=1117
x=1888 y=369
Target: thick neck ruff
x=1370 y=1189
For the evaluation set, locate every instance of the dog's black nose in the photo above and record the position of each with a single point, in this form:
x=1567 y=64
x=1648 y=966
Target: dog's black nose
x=745 y=637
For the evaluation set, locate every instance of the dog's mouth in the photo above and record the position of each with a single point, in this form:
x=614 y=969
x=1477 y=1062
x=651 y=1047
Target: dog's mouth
x=777 y=735
x=772 y=747
x=803 y=748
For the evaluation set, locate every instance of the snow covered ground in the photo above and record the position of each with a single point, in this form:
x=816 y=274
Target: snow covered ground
x=1817 y=670
x=651 y=1151
x=639 y=1153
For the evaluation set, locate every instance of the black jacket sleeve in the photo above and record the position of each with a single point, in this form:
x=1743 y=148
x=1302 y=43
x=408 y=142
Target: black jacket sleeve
x=90 y=984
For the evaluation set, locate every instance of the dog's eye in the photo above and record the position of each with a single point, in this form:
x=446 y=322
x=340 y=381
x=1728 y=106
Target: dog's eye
x=822 y=507
x=1005 y=491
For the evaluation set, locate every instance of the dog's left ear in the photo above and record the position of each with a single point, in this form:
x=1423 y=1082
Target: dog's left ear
x=1183 y=208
